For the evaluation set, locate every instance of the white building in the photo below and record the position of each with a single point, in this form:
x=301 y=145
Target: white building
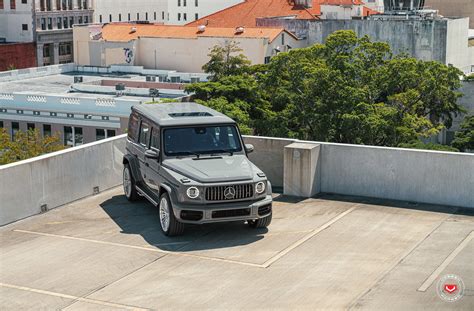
x=175 y=12
x=16 y=21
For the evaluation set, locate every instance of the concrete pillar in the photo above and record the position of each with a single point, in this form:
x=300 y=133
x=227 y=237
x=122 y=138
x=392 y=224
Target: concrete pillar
x=75 y=4
x=54 y=6
x=301 y=172
x=39 y=54
x=55 y=53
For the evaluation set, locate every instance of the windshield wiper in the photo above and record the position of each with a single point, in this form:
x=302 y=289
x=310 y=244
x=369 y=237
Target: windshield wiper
x=181 y=155
x=216 y=152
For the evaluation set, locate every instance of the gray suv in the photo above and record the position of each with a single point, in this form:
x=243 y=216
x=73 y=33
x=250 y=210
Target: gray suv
x=191 y=162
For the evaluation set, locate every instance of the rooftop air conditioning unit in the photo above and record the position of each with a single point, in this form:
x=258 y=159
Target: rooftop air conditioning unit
x=150 y=79
x=239 y=30
x=78 y=79
x=120 y=87
x=202 y=28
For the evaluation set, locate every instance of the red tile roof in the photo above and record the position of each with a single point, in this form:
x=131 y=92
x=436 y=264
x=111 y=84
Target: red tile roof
x=339 y=2
x=123 y=32
x=246 y=13
x=367 y=11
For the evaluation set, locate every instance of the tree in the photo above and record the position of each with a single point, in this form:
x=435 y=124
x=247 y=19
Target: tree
x=224 y=61
x=464 y=138
x=429 y=146
x=26 y=145
x=353 y=90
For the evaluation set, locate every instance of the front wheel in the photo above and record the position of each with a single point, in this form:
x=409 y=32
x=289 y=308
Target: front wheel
x=168 y=222
x=129 y=184
x=261 y=222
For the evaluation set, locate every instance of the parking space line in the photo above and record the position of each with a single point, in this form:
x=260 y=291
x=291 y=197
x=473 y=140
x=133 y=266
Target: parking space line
x=76 y=298
x=446 y=262
x=314 y=232
x=142 y=248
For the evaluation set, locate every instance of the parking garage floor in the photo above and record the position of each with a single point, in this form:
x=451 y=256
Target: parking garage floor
x=331 y=252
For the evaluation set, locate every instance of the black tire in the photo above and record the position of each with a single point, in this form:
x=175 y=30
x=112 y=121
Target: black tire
x=261 y=222
x=131 y=194
x=174 y=227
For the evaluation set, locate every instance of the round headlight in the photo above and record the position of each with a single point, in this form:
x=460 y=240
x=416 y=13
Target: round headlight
x=260 y=187
x=192 y=192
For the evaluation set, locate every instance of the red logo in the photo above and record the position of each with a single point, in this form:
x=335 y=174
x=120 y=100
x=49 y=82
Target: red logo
x=450 y=288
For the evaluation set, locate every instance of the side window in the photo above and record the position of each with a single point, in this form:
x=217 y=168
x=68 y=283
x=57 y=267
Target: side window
x=144 y=134
x=133 y=127
x=155 y=138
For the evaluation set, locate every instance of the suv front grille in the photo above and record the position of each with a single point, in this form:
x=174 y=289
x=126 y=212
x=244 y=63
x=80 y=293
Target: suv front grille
x=229 y=192
x=231 y=213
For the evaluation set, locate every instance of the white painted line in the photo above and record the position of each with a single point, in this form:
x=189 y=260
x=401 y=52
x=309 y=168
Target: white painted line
x=272 y=260
x=445 y=263
x=142 y=248
x=88 y=300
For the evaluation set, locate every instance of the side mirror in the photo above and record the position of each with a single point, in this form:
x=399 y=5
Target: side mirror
x=152 y=154
x=249 y=148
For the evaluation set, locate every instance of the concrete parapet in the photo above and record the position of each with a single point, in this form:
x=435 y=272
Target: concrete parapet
x=302 y=170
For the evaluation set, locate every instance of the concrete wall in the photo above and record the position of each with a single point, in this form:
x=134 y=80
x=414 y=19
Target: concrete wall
x=391 y=173
x=464 y=8
x=59 y=178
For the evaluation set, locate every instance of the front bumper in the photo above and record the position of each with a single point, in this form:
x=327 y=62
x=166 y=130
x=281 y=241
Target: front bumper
x=236 y=211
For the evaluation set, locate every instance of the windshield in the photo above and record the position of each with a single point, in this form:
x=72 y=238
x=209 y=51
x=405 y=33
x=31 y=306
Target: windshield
x=201 y=140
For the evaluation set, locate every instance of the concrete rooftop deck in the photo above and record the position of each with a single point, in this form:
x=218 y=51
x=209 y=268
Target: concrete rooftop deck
x=104 y=253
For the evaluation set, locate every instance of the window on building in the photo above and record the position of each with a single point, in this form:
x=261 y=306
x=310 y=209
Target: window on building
x=15 y=129
x=79 y=20
x=163 y=15
x=86 y=19
x=184 y=2
x=196 y=2
x=65 y=22
x=267 y=59
x=65 y=48
x=196 y=16
x=154 y=16
x=120 y=17
x=71 y=21
x=73 y=136
x=179 y=16
x=24 y=27
x=1 y=122
x=24 y=1
x=50 y=23
x=146 y=16
x=138 y=16
x=59 y=22
x=185 y=17
x=13 y=4
x=179 y=2
x=103 y=134
x=110 y=18
x=43 y=24
x=144 y=134
x=100 y=18
x=282 y=39
x=110 y=133
x=46 y=50
x=128 y=16
x=46 y=130
x=30 y=126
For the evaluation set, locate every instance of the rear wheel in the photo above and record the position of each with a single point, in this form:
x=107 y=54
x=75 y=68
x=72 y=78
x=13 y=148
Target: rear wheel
x=260 y=223
x=168 y=222
x=129 y=184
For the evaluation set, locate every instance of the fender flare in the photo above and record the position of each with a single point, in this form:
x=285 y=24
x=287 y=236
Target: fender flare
x=133 y=163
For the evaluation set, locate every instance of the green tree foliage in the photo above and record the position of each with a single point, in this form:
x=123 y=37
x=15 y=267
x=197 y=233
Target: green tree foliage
x=26 y=145
x=226 y=60
x=348 y=90
x=464 y=138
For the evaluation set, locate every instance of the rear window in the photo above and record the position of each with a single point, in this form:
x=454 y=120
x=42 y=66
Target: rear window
x=133 y=127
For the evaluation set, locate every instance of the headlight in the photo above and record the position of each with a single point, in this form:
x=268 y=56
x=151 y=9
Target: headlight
x=260 y=187
x=192 y=192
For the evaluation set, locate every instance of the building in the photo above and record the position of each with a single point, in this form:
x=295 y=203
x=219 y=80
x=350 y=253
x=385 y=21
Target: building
x=46 y=23
x=429 y=38
x=174 y=12
x=462 y=8
x=167 y=47
x=17 y=55
x=82 y=104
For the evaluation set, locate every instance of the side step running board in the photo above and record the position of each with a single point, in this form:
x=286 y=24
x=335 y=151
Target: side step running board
x=143 y=193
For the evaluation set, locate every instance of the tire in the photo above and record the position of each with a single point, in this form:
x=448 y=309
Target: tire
x=168 y=222
x=129 y=184
x=261 y=222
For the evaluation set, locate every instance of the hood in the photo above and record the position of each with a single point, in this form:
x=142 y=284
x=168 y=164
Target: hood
x=218 y=169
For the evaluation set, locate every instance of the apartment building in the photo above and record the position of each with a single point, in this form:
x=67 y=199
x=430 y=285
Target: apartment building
x=173 y=12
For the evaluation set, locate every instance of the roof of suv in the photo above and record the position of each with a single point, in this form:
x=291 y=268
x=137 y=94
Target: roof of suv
x=175 y=114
